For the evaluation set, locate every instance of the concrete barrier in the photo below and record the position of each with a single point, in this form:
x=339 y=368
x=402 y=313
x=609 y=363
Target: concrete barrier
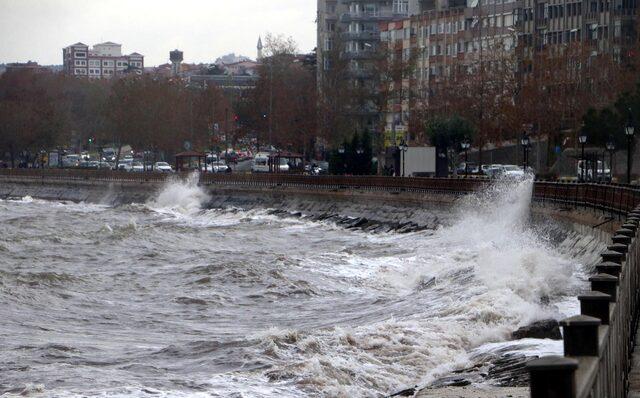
x=598 y=342
x=612 y=198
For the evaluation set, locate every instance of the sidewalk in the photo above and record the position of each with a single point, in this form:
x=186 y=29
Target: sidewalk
x=634 y=374
x=475 y=392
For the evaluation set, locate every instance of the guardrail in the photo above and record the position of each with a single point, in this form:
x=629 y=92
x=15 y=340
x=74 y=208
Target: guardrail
x=80 y=174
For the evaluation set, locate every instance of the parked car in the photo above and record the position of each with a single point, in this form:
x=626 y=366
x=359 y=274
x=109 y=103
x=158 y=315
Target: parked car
x=220 y=167
x=472 y=168
x=163 y=167
x=125 y=165
x=317 y=168
x=492 y=170
x=89 y=165
x=137 y=167
x=512 y=171
x=72 y=160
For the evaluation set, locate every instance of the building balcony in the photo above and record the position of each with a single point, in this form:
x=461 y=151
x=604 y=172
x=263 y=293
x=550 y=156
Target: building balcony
x=359 y=73
x=359 y=55
x=361 y=35
x=370 y=16
x=542 y=23
x=348 y=2
x=591 y=17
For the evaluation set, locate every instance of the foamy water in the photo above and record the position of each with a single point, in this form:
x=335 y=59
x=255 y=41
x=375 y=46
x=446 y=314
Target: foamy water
x=171 y=299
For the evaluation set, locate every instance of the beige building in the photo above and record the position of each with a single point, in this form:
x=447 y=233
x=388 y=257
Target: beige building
x=103 y=60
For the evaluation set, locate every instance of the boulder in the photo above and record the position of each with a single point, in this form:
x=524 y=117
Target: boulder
x=547 y=329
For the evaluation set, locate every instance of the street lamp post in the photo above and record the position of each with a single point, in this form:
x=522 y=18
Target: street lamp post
x=525 y=149
x=629 y=131
x=359 y=152
x=341 y=151
x=403 y=150
x=583 y=140
x=465 y=145
x=611 y=146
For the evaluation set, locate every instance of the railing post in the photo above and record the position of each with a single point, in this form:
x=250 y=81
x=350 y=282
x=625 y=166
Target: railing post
x=605 y=283
x=552 y=377
x=612 y=256
x=609 y=268
x=595 y=304
x=581 y=335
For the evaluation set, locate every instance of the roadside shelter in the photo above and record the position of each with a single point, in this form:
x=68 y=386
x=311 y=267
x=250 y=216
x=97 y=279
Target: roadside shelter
x=279 y=159
x=190 y=160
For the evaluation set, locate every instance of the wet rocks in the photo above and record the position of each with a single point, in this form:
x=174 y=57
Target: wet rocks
x=407 y=392
x=451 y=381
x=356 y=223
x=546 y=329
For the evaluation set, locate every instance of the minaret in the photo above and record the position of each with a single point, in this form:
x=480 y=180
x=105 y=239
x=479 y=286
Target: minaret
x=259 y=49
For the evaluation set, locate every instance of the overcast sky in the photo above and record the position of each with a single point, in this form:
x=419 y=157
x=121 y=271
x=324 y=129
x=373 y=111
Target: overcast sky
x=37 y=30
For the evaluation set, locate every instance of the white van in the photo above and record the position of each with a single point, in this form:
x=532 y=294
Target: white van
x=260 y=163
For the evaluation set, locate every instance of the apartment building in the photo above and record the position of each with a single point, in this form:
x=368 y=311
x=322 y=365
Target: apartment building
x=450 y=40
x=352 y=27
x=103 y=60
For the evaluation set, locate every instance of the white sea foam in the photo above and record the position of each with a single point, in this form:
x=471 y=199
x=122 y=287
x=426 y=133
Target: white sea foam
x=479 y=278
x=180 y=197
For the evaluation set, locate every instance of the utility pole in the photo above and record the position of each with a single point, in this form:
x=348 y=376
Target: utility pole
x=270 y=100
x=226 y=133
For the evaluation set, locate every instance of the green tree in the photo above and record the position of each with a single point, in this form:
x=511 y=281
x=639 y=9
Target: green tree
x=448 y=133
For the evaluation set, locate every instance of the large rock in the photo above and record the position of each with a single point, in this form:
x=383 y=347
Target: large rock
x=547 y=329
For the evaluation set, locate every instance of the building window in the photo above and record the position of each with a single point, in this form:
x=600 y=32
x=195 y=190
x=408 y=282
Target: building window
x=401 y=7
x=328 y=44
x=80 y=54
x=80 y=62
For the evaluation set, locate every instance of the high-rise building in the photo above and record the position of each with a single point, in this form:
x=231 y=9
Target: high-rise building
x=352 y=28
x=104 y=60
x=500 y=39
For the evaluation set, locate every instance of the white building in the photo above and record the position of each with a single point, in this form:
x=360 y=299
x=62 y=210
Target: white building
x=104 y=60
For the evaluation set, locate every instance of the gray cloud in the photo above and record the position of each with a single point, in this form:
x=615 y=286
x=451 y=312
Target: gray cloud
x=39 y=29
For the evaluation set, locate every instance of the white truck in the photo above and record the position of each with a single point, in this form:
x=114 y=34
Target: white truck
x=418 y=161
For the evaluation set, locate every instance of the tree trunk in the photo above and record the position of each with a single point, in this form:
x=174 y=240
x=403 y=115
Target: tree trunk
x=13 y=156
x=118 y=155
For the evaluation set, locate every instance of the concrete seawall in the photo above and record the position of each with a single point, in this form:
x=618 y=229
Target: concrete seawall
x=393 y=206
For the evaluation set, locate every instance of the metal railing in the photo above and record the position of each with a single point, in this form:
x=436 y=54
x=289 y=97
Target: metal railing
x=612 y=198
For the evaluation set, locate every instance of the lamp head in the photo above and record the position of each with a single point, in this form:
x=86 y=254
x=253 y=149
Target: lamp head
x=582 y=138
x=629 y=129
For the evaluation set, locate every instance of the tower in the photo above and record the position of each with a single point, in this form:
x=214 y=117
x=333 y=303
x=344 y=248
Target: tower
x=176 y=57
x=259 y=49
